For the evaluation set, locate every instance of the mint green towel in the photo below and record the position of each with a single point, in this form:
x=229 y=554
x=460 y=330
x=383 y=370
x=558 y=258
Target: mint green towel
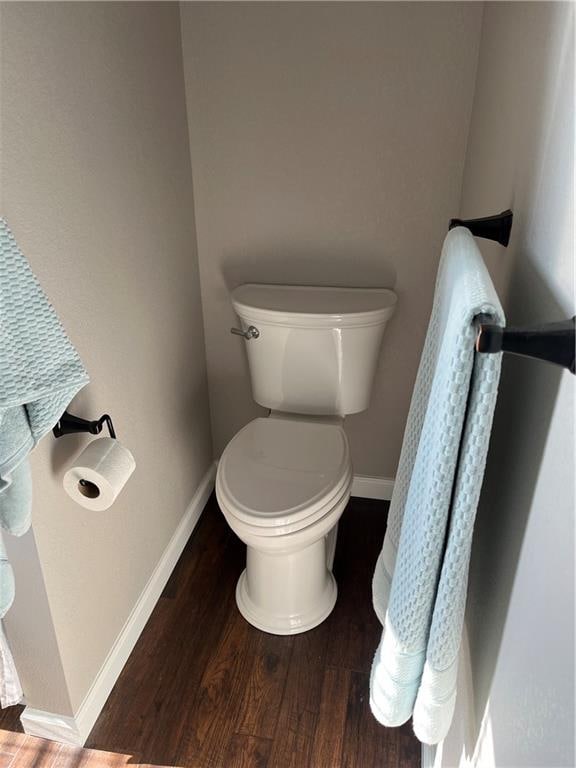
x=420 y=580
x=40 y=374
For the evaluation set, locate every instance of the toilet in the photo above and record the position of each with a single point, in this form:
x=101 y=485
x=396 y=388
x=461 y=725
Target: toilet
x=284 y=480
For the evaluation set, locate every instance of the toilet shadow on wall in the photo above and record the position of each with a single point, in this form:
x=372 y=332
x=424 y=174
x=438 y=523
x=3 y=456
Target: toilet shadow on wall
x=343 y=266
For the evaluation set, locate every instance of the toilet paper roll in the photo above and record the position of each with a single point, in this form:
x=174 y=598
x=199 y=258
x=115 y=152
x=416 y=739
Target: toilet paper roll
x=99 y=474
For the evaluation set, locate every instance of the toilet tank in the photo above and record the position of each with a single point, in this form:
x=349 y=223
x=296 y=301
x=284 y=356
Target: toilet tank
x=317 y=348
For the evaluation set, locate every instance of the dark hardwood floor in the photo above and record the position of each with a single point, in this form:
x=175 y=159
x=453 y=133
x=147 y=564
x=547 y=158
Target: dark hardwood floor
x=204 y=689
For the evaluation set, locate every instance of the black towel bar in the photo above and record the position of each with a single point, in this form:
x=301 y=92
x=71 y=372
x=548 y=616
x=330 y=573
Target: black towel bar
x=552 y=342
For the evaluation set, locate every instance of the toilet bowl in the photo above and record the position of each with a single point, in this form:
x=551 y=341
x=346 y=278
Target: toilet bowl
x=282 y=485
x=284 y=481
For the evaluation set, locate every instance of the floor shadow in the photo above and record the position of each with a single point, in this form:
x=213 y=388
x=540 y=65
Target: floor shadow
x=10 y=719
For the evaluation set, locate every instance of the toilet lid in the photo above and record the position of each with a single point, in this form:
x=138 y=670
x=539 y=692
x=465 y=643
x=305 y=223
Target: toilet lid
x=276 y=471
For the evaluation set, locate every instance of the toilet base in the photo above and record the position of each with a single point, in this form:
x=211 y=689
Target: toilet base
x=278 y=625
x=288 y=593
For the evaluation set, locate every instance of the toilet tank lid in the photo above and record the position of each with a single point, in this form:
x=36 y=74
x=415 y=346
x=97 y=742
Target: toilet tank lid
x=298 y=303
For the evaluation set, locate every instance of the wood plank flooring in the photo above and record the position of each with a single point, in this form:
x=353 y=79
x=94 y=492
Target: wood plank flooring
x=204 y=689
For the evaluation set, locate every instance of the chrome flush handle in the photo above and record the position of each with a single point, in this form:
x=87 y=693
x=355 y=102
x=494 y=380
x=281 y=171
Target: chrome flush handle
x=250 y=333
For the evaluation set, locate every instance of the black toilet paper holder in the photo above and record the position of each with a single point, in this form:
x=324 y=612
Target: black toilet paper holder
x=69 y=424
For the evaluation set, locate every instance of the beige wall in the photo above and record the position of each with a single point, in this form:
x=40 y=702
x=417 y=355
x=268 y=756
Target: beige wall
x=521 y=600
x=327 y=145
x=97 y=187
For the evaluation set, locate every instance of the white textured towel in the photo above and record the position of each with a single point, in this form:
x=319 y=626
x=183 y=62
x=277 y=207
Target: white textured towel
x=10 y=688
x=40 y=372
x=420 y=580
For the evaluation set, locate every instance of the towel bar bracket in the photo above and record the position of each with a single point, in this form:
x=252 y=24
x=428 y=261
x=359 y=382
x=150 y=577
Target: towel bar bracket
x=69 y=424
x=496 y=227
x=552 y=342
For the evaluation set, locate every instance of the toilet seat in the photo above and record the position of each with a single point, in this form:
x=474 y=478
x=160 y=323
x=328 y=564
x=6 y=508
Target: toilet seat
x=278 y=476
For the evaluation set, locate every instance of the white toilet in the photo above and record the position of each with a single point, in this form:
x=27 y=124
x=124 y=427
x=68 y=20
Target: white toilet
x=283 y=481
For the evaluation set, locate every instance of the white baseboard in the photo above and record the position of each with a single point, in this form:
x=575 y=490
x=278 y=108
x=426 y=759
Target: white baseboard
x=372 y=487
x=75 y=730
x=47 y=725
